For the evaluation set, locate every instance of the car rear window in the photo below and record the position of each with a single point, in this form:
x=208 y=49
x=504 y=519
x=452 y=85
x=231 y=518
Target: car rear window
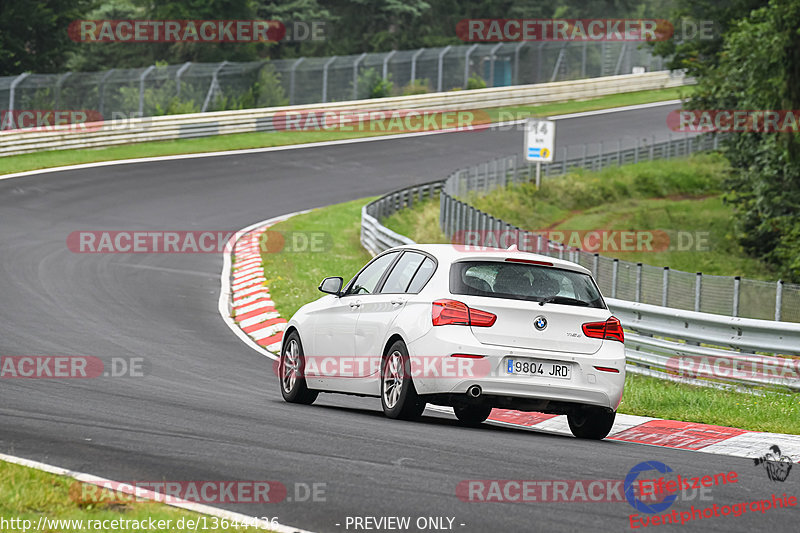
x=518 y=281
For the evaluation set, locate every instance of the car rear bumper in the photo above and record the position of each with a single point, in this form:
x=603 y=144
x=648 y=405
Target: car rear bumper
x=587 y=384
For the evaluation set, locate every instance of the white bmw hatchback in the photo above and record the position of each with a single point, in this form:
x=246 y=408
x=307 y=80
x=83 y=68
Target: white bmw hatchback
x=472 y=329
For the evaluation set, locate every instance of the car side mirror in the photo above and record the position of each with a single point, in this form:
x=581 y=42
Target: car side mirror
x=332 y=285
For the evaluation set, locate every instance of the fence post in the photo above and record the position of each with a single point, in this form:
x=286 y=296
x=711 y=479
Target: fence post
x=595 y=265
x=491 y=63
x=414 y=65
x=12 y=90
x=619 y=152
x=466 y=63
x=638 y=292
x=669 y=145
x=150 y=69
x=386 y=59
x=291 y=79
x=665 y=287
x=778 y=300
x=698 y=284
x=600 y=157
x=358 y=60
x=178 y=77
x=441 y=67
x=59 y=83
x=737 y=282
x=325 y=78
x=583 y=60
x=516 y=61
x=614 y=277
x=652 y=147
x=102 y=89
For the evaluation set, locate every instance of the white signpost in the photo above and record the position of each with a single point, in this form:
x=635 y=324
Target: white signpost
x=540 y=143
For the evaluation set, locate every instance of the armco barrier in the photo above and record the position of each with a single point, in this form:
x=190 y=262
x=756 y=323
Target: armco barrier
x=171 y=127
x=663 y=342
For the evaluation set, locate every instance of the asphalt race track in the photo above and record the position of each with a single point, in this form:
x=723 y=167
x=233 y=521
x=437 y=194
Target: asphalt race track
x=209 y=408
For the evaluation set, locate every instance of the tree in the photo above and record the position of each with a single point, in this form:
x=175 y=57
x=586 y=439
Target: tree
x=33 y=34
x=759 y=69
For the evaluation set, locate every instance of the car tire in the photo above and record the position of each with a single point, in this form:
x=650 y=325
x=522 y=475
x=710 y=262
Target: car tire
x=290 y=371
x=399 y=397
x=590 y=422
x=472 y=415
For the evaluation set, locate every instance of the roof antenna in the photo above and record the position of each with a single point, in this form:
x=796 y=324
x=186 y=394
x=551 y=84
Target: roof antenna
x=513 y=248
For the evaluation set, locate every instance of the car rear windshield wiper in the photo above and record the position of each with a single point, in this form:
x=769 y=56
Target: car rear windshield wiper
x=563 y=300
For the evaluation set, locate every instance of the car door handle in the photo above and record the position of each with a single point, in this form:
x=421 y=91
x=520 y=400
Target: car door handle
x=397 y=301
x=354 y=305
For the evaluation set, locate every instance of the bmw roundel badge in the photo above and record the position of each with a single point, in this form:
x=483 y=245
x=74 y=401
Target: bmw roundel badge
x=540 y=322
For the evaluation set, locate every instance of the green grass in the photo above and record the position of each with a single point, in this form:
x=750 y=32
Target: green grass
x=678 y=195
x=28 y=494
x=773 y=412
x=39 y=160
x=293 y=278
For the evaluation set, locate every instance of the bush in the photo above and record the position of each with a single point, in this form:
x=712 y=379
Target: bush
x=416 y=87
x=475 y=82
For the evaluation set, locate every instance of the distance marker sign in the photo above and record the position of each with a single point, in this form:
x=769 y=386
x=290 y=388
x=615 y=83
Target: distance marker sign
x=540 y=140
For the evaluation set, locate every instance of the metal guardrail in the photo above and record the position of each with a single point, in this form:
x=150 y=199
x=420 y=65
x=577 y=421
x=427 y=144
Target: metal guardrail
x=169 y=127
x=663 y=342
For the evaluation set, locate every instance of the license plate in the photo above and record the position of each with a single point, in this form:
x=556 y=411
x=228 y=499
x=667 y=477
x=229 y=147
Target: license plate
x=545 y=369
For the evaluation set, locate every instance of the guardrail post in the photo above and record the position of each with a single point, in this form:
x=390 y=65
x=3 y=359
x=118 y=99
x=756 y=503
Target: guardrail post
x=665 y=287
x=466 y=63
x=595 y=265
x=414 y=65
x=652 y=147
x=441 y=67
x=358 y=60
x=638 y=292
x=178 y=77
x=325 y=78
x=636 y=151
x=698 y=285
x=583 y=156
x=778 y=300
x=147 y=71
x=614 y=277
x=737 y=281
x=619 y=152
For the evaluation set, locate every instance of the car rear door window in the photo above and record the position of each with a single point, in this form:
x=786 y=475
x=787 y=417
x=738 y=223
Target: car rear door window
x=423 y=274
x=402 y=273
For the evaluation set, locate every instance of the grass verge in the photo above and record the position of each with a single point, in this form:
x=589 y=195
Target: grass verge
x=680 y=197
x=293 y=278
x=56 y=158
x=29 y=494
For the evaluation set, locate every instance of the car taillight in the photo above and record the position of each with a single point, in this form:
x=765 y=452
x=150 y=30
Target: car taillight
x=453 y=312
x=611 y=330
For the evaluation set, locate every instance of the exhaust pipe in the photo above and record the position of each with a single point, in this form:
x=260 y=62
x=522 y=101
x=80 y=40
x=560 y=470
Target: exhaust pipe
x=474 y=391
